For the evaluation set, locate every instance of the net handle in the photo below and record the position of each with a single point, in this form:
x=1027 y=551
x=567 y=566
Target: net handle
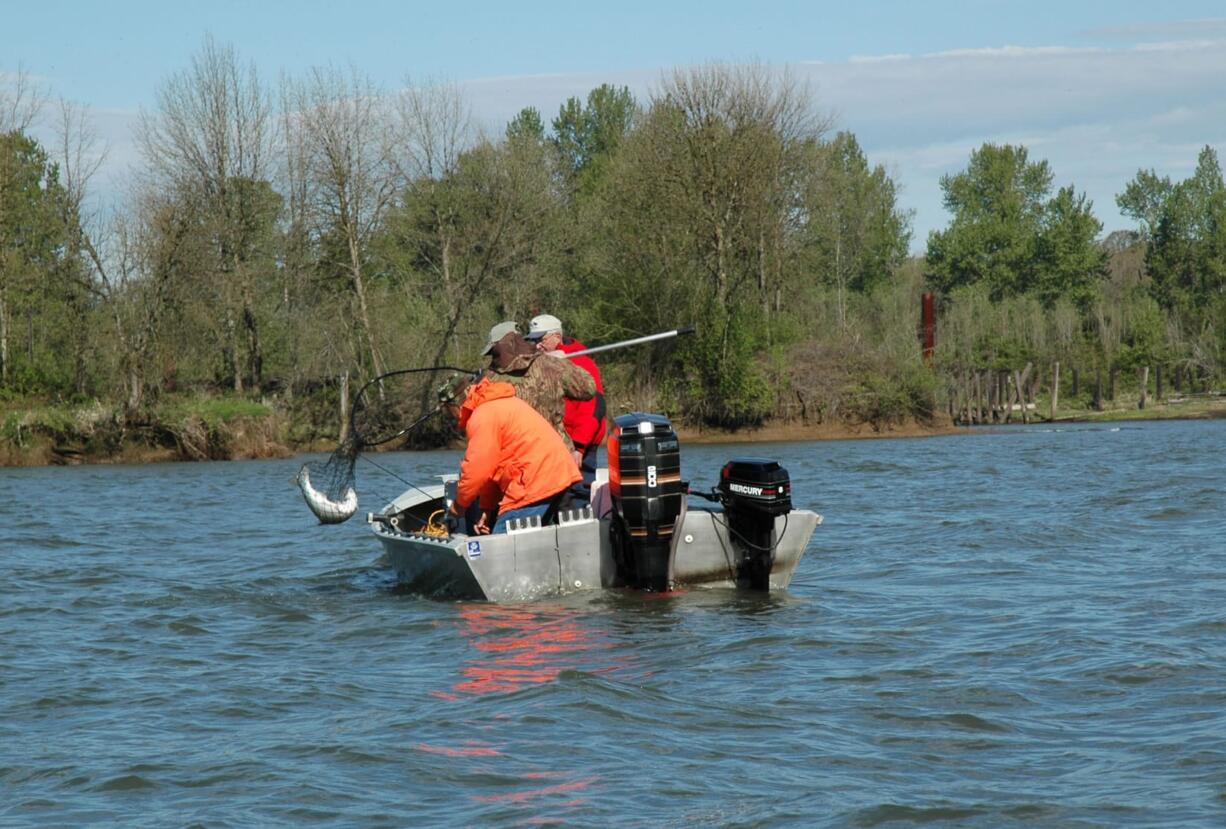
x=359 y=405
x=406 y=429
x=663 y=335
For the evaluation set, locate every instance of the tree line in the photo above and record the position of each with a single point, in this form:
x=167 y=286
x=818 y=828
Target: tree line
x=277 y=237
x=1025 y=278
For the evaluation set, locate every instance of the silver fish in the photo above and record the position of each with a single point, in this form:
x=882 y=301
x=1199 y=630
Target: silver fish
x=325 y=509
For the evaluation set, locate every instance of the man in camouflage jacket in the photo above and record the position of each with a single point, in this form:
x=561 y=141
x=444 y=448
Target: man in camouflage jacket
x=541 y=380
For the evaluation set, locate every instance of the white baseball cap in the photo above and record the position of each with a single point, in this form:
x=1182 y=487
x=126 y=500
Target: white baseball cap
x=541 y=325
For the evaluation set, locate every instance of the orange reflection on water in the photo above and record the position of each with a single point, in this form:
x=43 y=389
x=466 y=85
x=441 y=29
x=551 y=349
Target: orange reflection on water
x=520 y=647
x=470 y=749
x=521 y=796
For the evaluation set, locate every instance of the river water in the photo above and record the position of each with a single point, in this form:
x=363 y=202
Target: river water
x=1024 y=627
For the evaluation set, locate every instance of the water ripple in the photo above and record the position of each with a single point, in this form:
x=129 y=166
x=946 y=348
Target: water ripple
x=1016 y=628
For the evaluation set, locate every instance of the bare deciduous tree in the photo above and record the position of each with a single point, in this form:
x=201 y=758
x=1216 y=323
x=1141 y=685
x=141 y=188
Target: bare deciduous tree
x=21 y=100
x=434 y=127
x=80 y=156
x=340 y=127
x=211 y=142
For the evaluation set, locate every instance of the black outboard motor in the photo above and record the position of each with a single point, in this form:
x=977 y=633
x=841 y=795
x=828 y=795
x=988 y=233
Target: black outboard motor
x=648 y=493
x=754 y=491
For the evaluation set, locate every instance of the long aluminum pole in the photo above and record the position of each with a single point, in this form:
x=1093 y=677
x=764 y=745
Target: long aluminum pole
x=676 y=332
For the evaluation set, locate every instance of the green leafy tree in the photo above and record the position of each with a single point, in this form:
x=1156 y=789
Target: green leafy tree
x=40 y=277
x=586 y=135
x=1186 y=257
x=1144 y=199
x=1144 y=338
x=1007 y=235
x=856 y=233
x=695 y=226
x=1069 y=262
x=997 y=205
x=472 y=240
x=526 y=126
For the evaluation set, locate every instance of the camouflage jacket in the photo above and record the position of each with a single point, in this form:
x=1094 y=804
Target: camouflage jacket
x=542 y=381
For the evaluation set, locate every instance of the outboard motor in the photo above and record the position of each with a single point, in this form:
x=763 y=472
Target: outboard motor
x=648 y=494
x=754 y=491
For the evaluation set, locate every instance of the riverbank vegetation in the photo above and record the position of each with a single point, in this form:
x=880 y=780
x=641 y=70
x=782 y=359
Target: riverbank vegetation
x=278 y=244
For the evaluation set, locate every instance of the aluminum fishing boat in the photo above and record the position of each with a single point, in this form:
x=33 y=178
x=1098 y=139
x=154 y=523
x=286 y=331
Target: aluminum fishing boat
x=644 y=529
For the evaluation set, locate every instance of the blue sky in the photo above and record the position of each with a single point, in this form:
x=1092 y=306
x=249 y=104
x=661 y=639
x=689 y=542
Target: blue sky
x=1099 y=89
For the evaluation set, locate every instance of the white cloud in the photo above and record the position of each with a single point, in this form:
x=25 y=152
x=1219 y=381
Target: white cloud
x=1180 y=29
x=1097 y=114
x=878 y=58
x=1010 y=52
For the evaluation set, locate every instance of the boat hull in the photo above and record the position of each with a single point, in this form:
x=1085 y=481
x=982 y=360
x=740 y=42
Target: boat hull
x=533 y=561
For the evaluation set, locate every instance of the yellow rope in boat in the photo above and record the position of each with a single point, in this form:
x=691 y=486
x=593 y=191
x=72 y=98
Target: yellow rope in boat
x=435 y=526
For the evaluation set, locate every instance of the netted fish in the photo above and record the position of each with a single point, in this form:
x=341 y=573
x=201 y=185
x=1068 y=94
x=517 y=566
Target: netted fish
x=327 y=510
x=392 y=407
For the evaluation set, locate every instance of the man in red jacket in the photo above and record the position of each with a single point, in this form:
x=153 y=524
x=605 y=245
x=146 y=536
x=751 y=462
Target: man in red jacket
x=583 y=419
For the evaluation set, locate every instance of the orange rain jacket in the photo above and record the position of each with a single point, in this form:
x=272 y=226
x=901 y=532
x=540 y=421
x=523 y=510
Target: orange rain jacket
x=512 y=452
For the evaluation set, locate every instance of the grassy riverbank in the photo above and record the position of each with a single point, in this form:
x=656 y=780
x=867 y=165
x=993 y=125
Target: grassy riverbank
x=1176 y=407
x=33 y=433
x=37 y=433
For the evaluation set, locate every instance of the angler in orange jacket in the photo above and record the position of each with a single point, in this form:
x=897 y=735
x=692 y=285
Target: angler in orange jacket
x=515 y=461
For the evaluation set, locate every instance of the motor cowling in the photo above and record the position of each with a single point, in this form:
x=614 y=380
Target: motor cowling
x=648 y=497
x=754 y=491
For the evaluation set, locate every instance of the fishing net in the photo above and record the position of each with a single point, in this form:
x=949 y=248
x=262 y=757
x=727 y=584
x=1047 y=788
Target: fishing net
x=393 y=411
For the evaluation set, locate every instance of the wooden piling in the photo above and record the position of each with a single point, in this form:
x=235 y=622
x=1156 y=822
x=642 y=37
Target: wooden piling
x=1055 y=389
x=344 y=407
x=1022 y=380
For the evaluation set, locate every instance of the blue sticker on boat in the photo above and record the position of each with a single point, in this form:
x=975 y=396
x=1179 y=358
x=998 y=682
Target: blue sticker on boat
x=474 y=549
